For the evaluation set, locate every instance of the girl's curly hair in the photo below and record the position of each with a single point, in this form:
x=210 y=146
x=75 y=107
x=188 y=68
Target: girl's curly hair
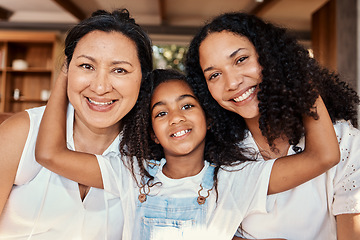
x=218 y=151
x=291 y=81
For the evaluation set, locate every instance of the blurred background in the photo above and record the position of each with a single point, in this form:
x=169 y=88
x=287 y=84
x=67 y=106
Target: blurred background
x=32 y=34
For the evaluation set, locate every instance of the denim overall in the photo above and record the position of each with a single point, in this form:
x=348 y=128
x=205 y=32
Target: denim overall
x=174 y=216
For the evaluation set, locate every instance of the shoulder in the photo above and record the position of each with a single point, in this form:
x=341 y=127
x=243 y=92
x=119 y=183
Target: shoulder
x=344 y=128
x=348 y=136
x=345 y=175
x=13 y=132
x=15 y=129
x=17 y=144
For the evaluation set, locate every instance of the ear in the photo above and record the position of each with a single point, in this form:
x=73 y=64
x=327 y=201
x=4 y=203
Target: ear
x=154 y=138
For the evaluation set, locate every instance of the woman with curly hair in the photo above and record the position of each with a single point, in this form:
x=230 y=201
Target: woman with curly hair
x=256 y=82
x=185 y=182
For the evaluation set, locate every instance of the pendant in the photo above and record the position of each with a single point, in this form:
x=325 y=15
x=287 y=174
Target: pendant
x=142 y=197
x=201 y=200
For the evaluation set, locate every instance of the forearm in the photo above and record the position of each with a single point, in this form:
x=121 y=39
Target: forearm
x=348 y=226
x=320 y=139
x=51 y=140
x=320 y=154
x=51 y=148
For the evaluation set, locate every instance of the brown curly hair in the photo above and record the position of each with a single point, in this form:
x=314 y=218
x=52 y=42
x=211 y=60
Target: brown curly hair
x=291 y=82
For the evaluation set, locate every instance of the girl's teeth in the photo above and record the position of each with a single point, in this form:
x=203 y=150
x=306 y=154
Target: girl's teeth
x=100 y=103
x=245 y=95
x=181 y=133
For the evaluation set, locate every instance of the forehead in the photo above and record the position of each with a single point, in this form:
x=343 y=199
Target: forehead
x=223 y=41
x=115 y=42
x=171 y=89
x=220 y=47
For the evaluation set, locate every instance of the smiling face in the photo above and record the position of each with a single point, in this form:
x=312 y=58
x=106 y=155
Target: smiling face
x=232 y=72
x=178 y=121
x=104 y=79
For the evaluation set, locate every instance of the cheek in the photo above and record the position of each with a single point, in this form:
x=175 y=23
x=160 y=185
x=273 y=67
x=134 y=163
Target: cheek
x=158 y=130
x=77 y=80
x=129 y=88
x=255 y=70
x=215 y=91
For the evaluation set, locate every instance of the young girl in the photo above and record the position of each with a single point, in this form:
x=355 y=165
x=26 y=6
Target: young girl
x=194 y=185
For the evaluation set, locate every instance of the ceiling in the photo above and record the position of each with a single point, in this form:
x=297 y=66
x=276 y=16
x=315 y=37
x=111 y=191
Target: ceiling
x=165 y=20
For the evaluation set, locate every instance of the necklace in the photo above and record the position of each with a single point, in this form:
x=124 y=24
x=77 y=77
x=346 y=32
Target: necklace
x=269 y=154
x=265 y=153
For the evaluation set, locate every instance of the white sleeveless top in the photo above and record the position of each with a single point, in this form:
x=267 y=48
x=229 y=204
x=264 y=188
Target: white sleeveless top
x=44 y=205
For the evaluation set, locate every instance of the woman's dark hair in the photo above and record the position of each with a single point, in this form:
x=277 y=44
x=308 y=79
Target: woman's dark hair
x=116 y=21
x=217 y=151
x=121 y=22
x=291 y=81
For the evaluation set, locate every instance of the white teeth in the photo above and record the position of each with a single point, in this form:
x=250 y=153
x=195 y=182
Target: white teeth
x=245 y=95
x=181 y=133
x=100 y=103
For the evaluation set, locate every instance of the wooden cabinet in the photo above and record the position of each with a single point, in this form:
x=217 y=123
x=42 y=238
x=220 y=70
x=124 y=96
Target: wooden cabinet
x=26 y=69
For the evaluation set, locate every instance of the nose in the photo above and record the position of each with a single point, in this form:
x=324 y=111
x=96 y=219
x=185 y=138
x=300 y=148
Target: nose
x=233 y=81
x=101 y=84
x=176 y=117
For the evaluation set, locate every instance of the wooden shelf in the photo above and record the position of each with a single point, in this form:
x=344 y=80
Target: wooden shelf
x=29 y=70
x=38 y=50
x=21 y=100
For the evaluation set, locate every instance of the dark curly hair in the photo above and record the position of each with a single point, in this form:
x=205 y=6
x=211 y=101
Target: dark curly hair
x=217 y=151
x=291 y=81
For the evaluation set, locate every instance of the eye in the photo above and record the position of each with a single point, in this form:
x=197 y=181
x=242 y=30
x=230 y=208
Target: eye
x=86 y=66
x=160 y=114
x=241 y=59
x=214 y=75
x=187 y=106
x=120 y=70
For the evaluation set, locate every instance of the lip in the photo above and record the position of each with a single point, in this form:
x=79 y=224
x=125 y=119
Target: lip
x=242 y=92
x=100 y=104
x=180 y=133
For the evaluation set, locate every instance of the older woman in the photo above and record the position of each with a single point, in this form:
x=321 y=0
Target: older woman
x=108 y=55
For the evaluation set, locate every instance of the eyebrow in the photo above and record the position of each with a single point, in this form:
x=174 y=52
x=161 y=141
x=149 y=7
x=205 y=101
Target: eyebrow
x=161 y=103
x=113 y=62
x=85 y=56
x=230 y=56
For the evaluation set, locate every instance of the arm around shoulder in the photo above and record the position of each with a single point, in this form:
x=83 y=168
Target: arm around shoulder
x=320 y=154
x=13 y=135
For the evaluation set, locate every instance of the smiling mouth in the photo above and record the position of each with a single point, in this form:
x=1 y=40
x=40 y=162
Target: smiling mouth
x=100 y=103
x=245 y=95
x=180 y=133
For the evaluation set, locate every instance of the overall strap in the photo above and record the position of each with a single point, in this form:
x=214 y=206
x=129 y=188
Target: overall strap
x=153 y=167
x=208 y=179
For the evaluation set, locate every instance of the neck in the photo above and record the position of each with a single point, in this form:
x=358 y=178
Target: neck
x=184 y=166
x=281 y=144
x=92 y=140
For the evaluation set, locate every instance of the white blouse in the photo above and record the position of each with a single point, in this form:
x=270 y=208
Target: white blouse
x=44 y=205
x=308 y=211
